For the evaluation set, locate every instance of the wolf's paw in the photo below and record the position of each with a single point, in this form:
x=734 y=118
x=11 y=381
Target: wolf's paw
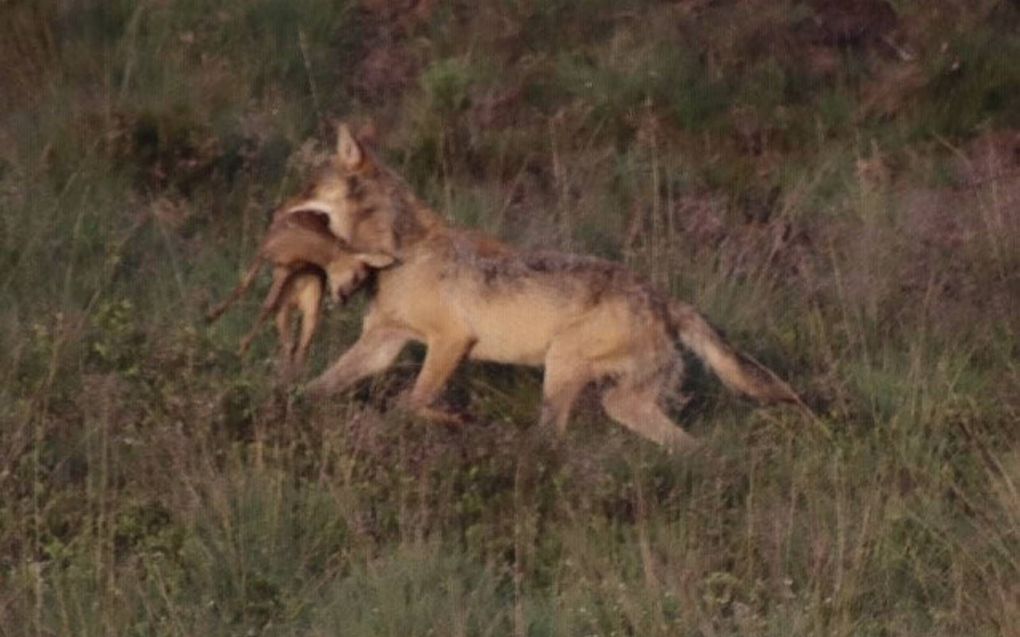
x=439 y=416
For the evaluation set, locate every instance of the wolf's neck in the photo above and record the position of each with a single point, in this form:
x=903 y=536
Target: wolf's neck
x=416 y=221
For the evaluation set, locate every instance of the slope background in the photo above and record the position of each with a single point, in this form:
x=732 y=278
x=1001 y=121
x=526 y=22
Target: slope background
x=835 y=184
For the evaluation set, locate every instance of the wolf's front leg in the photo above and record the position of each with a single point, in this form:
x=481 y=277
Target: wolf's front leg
x=443 y=355
x=372 y=353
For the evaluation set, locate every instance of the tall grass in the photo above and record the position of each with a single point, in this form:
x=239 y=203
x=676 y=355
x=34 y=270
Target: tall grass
x=154 y=482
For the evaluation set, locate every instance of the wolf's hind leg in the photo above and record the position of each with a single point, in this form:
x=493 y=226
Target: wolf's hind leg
x=638 y=410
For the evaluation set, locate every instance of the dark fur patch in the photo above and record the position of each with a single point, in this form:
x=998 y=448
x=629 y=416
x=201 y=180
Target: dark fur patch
x=589 y=279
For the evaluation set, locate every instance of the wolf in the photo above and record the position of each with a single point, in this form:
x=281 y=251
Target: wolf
x=307 y=260
x=468 y=296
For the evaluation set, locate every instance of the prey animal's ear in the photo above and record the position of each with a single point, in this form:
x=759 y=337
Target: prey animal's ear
x=348 y=150
x=376 y=260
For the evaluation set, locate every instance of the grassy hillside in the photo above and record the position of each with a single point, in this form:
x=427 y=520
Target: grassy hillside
x=835 y=184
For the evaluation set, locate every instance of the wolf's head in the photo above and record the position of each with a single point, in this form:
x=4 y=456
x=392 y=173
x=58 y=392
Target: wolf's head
x=368 y=207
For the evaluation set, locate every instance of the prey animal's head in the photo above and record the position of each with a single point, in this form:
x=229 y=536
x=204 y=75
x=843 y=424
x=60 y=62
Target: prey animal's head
x=368 y=207
x=346 y=273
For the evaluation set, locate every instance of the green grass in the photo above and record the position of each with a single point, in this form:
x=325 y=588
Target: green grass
x=154 y=482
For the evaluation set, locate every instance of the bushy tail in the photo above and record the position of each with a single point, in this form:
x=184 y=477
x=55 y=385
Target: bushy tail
x=737 y=371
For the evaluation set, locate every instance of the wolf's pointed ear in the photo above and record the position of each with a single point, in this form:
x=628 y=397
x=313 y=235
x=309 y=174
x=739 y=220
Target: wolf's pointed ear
x=347 y=148
x=376 y=260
